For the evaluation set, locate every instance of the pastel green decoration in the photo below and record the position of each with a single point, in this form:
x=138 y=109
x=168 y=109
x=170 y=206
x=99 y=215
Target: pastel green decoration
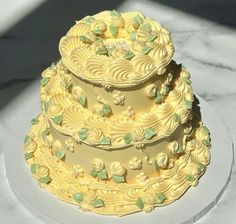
x=180 y=149
x=206 y=129
x=113 y=30
x=27 y=139
x=106 y=109
x=201 y=167
x=85 y=39
x=139 y=203
x=34 y=121
x=118 y=179
x=102 y=51
x=97 y=203
x=149 y=133
x=69 y=86
x=160 y=198
x=159 y=98
x=146 y=50
x=44 y=81
x=188 y=104
x=151 y=38
x=78 y=197
x=129 y=55
x=98 y=32
x=188 y=81
x=146 y=27
x=46 y=106
x=128 y=138
x=58 y=119
x=138 y=19
x=105 y=141
x=28 y=155
x=155 y=164
x=206 y=142
x=89 y=20
x=45 y=180
x=133 y=36
x=102 y=174
x=82 y=100
x=60 y=154
x=190 y=177
x=176 y=118
x=34 y=167
x=115 y=13
x=83 y=133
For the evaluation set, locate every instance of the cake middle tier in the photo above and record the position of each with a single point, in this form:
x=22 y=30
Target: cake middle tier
x=145 y=120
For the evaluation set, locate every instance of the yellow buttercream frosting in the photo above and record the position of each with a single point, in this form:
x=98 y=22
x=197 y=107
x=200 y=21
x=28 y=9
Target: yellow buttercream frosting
x=119 y=120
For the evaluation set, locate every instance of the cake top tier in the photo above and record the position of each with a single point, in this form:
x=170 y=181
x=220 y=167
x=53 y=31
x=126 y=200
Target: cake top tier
x=116 y=49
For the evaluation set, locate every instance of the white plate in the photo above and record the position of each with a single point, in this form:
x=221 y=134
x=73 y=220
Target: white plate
x=194 y=204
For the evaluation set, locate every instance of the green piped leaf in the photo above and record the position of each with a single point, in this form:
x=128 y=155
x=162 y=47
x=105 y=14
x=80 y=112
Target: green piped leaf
x=133 y=36
x=46 y=106
x=78 y=197
x=52 y=66
x=139 y=203
x=138 y=19
x=105 y=141
x=176 y=117
x=151 y=37
x=180 y=149
x=94 y=173
x=106 y=109
x=115 y=13
x=46 y=132
x=89 y=20
x=160 y=198
x=114 y=30
x=85 y=39
x=205 y=129
x=128 y=138
x=60 y=154
x=83 y=133
x=129 y=55
x=97 y=203
x=58 y=119
x=34 y=121
x=45 y=180
x=102 y=51
x=188 y=104
x=82 y=100
x=34 y=167
x=146 y=50
x=98 y=32
x=159 y=97
x=118 y=179
x=146 y=27
x=69 y=86
x=155 y=164
x=190 y=177
x=201 y=167
x=188 y=81
x=28 y=155
x=27 y=139
x=44 y=81
x=149 y=133
x=102 y=174
x=206 y=142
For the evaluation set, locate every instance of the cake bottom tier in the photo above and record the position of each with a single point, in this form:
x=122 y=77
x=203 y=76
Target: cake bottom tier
x=110 y=198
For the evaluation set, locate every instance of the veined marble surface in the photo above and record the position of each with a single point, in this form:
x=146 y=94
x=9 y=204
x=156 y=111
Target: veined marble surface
x=207 y=47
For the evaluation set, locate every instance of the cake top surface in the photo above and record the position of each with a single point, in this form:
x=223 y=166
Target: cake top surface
x=116 y=49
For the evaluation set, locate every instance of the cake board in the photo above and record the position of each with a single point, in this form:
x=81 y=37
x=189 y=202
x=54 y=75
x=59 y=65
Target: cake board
x=194 y=204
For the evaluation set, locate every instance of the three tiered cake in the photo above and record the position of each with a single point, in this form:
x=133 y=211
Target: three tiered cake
x=117 y=133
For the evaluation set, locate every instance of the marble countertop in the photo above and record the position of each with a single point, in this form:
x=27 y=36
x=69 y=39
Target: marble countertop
x=204 y=34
